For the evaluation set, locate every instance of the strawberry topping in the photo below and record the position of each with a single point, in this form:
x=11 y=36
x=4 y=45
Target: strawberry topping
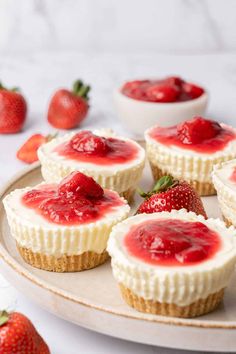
x=79 y=184
x=88 y=147
x=169 y=194
x=163 y=93
x=198 y=130
x=172 y=242
x=197 y=134
x=77 y=199
x=90 y=143
x=170 y=89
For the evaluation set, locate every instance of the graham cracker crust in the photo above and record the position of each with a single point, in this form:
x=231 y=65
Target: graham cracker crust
x=197 y=308
x=203 y=188
x=227 y=222
x=65 y=263
x=128 y=195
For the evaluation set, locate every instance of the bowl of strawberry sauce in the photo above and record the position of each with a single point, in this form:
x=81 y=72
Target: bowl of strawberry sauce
x=169 y=101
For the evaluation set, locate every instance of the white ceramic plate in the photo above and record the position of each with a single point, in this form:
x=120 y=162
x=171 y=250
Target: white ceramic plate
x=91 y=298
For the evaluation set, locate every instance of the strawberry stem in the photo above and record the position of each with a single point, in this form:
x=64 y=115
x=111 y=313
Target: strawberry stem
x=141 y=193
x=161 y=185
x=83 y=92
x=13 y=89
x=4 y=317
x=79 y=89
x=76 y=86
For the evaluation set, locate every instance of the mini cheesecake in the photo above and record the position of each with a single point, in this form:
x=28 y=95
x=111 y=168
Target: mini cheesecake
x=65 y=227
x=115 y=163
x=189 y=151
x=224 y=179
x=172 y=263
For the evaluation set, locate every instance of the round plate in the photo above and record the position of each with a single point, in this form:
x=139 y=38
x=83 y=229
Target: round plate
x=91 y=298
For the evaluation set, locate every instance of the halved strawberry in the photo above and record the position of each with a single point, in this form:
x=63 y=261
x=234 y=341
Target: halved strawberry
x=169 y=194
x=28 y=151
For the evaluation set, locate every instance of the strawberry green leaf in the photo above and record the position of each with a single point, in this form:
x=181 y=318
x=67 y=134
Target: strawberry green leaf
x=163 y=184
x=76 y=86
x=4 y=317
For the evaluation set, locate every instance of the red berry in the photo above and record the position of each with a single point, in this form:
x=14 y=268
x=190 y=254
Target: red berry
x=79 y=184
x=162 y=93
x=174 y=81
x=13 y=109
x=197 y=130
x=169 y=194
x=18 y=335
x=90 y=143
x=192 y=90
x=28 y=151
x=67 y=109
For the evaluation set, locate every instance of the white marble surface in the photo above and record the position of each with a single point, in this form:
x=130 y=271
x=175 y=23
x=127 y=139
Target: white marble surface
x=38 y=74
x=173 y=26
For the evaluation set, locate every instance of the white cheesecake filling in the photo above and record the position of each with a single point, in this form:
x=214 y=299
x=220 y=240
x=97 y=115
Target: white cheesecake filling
x=180 y=285
x=118 y=177
x=108 y=170
x=33 y=231
x=186 y=163
x=226 y=189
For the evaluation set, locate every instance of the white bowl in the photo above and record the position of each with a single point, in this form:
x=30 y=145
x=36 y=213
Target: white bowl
x=137 y=115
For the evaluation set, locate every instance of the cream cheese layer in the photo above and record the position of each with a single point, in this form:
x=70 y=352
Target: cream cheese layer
x=36 y=233
x=180 y=285
x=118 y=177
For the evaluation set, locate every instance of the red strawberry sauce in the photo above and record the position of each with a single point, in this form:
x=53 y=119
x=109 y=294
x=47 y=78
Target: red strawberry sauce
x=172 y=242
x=169 y=136
x=88 y=147
x=168 y=90
x=69 y=209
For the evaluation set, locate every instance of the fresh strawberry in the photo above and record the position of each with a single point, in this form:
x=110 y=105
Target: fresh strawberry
x=28 y=151
x=169 y=194
x=87 y=142
x=18 y=335
x=198 y=129
x=67 y=108
x=78 y=183
x=13 y=110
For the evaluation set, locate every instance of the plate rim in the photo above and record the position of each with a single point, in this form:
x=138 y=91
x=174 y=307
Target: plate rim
x=16 y=267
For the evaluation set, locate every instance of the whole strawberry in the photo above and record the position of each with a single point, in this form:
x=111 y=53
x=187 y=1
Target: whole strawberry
x=169 y=194
x=18 y=335
x=13 y=109
x=67 y=108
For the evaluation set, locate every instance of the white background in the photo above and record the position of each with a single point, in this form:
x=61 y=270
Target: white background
x=173 y=26
x=47 y=44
